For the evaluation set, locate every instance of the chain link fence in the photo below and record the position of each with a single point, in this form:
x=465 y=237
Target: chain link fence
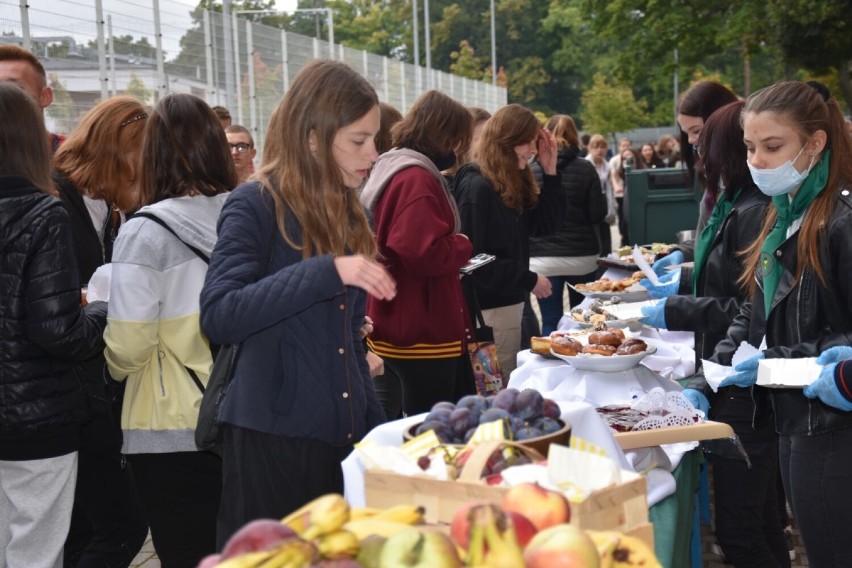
x=94 y=49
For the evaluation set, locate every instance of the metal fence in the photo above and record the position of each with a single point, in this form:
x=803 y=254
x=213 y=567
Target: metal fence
x=93 y=49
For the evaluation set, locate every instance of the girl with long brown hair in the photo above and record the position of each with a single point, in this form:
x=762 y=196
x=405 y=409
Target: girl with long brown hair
x=500 y=207
x=798 y=272
x=288 y=282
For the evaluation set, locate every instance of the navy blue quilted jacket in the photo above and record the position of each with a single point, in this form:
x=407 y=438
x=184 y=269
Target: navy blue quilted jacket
x=302 y=369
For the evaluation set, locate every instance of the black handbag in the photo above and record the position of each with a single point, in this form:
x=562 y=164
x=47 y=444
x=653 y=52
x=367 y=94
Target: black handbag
x=208 y=434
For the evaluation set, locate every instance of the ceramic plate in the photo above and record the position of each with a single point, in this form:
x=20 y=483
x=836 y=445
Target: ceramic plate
x=635 y=293
x=586 y=362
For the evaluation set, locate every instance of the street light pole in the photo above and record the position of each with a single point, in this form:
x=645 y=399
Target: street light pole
x=493 y=48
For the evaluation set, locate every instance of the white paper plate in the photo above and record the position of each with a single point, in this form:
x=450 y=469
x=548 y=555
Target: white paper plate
x=609 y=323
x=614 y=363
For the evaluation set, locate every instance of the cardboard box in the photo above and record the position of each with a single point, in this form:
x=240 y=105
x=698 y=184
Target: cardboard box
x=707 y=430
x=621 y=507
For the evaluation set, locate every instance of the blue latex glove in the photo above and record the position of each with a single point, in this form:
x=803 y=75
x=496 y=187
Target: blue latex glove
x=671 y=259
x=669 y=284
x=834 y=355
x=698 y=400
x=655 y=315
x=825 y=387
x=747 y=373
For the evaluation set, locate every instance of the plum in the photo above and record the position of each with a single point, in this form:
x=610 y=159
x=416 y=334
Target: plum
x=493 y=414
x=527 y=432
x=550 y=409
x=474 y=402
x=441 y=429
x=529 y=404
x=439 y=415
x=546 y=425
x=506 y=400
x=462 y=420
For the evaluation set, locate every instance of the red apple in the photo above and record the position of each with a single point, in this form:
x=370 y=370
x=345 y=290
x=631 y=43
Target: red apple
x=261 y=534
x=561 y=546
x=524 y=529
x=460 y=525
x=545 y=508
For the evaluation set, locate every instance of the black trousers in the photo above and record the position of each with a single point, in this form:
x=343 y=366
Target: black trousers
x=816 y=471
x=108 y=527
x=180 y=493
x=427 y=381
x=265 y=476
x=748 y=524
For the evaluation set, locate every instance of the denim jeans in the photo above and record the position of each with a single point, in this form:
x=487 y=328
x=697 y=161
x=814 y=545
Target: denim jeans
x=552 y=308
x=816 y=471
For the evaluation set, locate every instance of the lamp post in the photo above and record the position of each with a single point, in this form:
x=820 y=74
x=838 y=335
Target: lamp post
x=493 y=48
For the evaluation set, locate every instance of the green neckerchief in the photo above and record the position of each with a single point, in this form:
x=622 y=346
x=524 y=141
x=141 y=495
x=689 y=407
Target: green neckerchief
x=708 y=233
x=787 y=212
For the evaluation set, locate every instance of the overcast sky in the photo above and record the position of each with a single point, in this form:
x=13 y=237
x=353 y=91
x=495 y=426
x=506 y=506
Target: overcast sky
x=77 y=18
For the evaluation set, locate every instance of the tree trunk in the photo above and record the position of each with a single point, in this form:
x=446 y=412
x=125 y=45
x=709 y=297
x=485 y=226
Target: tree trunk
x=844 y=76
x=746 y=70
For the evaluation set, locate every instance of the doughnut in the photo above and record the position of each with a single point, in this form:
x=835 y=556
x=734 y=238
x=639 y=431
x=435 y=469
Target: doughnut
x=607 y=337
x=605 y=350
x=631 y=346
x=566 y=346
x=618 y=332
x=540 y=345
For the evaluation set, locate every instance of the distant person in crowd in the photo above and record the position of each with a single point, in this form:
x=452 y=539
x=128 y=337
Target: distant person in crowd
x=501 y=207
x=389 y=116
x=695 y=106
x=749 y=524
x=628 y=159
x=649 y=157
x=669 y=151
x=154 y=341
x=597 y=156
x=569 y=256
x=46 y=334
x=242 y=149
x=479 y=116
x=22 y=67
x=797 y=273
x=223 y=114
x=96 y=171
x=584 y=145
x=422 y=333
x=288 y=282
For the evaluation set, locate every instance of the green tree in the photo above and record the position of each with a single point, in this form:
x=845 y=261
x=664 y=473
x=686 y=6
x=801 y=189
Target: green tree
x=465 y=62
x=136 y=88
x=610 y=107
x=63 y=110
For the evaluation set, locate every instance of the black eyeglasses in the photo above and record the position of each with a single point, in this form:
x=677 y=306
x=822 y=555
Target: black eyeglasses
x=241 y=147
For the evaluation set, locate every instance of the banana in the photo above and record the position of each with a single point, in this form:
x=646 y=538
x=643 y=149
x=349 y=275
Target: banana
x=321 y=516
x=293 y=554
x=366 y=527
x=632 y=551
x=407 y=514
x=360 y=513
x=248 y=559
x=606 y=543
x=339 y=544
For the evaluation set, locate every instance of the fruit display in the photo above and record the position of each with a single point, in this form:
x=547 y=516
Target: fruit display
x=525 y=414
x=528 y=530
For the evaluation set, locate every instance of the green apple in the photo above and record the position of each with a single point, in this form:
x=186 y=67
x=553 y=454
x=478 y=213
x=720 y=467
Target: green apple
x=423 y=549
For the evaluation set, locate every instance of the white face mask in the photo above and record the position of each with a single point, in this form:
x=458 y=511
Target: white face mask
x=783 y=179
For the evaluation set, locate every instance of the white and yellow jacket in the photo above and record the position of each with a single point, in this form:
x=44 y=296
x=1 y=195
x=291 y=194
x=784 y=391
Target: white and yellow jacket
x=153 y=333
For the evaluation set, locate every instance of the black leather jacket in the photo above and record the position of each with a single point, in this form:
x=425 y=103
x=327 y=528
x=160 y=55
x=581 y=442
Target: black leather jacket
x=44 y=332
x=806 y=317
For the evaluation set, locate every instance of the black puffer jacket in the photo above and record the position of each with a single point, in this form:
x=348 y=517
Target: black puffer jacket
x=44 y=333
x=806 y=318
x=578 y=235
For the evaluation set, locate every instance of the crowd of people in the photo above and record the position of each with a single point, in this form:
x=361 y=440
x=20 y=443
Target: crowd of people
x=336 y=267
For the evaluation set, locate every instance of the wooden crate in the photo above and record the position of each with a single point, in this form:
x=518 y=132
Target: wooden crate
x=621 y=507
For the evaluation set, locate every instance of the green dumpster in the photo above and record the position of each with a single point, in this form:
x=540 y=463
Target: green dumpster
x=660 y=203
